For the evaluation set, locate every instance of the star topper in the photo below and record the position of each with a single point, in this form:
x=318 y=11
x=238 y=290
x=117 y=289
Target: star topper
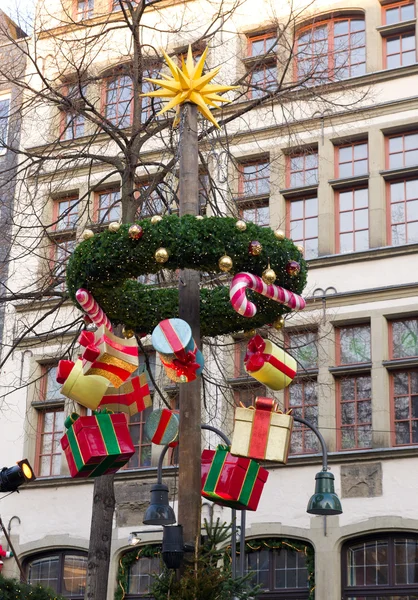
x=189 y=85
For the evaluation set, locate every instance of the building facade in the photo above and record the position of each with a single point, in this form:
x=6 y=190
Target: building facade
x=332 y=160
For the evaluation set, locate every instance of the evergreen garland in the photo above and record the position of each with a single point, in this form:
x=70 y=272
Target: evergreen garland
x=11 y=589
x=127 y=560
x=109 y=263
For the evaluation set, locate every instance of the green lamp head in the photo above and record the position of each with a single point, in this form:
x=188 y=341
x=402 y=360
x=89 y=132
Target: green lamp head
x=159 y=512
x=324 y=501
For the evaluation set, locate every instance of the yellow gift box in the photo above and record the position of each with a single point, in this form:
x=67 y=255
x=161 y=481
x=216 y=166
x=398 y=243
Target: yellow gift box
x=269 y=364
x=261 y=432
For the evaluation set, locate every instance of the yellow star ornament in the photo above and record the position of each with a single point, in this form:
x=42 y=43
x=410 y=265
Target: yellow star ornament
x=189 y=85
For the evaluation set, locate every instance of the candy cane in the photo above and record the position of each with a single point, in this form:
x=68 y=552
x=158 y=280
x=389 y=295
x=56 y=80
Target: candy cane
x=92 y=308
x=244 y=307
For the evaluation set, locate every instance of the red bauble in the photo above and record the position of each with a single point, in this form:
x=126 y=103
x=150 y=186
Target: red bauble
x=135 y=232
x=293 y=268
x=255 y=248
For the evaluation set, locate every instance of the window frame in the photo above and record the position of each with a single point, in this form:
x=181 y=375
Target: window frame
x=402 y=135
x=302 y=198
x=304 y=171
x=116 y=75
x=140 y=596
x=86 y=13
x=330 y=23
x=97 y=209
x=353 y=231
x=393 y=5
x=400 y=34
x=338 y=164
x=41 y=412
x=260 y=62
x=374 y=592
x=389 y=223
x=410 y=419
x=356 y=425
x=56 y=215
x=61 y=553
x=5 y=96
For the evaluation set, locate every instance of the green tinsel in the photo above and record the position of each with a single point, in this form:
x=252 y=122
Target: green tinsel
x=107 y=264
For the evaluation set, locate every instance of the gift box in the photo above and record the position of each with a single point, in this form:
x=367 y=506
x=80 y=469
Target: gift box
x=262 y=432
x=231 y=480
x=269 y=364
x=108 y=355
x=173 y=340
x=87 y=390
x=162 y=427
x=131 y=397
x=97 y=445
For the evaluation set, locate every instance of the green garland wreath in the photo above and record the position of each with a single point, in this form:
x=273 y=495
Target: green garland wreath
x=304 y=547
x=109 y=263
x=127 y=560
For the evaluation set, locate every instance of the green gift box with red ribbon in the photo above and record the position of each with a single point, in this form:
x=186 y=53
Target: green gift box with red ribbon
x=97 y=445
x=231 y=480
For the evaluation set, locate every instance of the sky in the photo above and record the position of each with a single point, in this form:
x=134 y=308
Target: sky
x=21 y=11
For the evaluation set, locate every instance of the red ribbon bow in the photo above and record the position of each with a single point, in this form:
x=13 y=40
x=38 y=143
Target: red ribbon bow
x=187 y=366
x=254 y=358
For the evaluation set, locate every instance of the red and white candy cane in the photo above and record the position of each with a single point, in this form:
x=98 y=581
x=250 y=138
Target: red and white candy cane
x=92 y=308
x=244 y=307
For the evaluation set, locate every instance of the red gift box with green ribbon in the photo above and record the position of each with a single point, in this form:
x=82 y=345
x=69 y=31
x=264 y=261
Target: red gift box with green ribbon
x=98 y=444
x=230 y=480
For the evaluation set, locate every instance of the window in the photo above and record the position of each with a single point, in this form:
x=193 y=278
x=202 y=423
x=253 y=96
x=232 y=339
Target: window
x=353 y=160
x=84 y=9
x=353 y=345
x=400 y=50
x=118 y=100
x=402 y=151
x=254 y=180
x=66 y=213
x=4 y=121
x=282 y=570
x=403 y=201
x=353 y=222
x=302 y=224
x=150 y=203
x=140 y=440
x=302 y=395
x=61 y=252
x=108 y=206
x=50 y=428
x=150 y=106
x=399 y=11
x=403 y=340
x=261 y=64
x=302 y=169
x=73 y=123
x=331 y=50
x=140 y=577
x=63 y=571
x=354 y=391
x=381 y=567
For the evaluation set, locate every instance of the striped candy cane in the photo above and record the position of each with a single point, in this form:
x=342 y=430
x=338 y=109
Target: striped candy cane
x=92 y=308
x=244 y=307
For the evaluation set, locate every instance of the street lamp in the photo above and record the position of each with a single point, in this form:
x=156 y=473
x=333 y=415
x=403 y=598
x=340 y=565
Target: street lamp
x=159 y=512
x=11 y=478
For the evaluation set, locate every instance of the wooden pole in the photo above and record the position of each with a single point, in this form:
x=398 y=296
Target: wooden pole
x=189 y=309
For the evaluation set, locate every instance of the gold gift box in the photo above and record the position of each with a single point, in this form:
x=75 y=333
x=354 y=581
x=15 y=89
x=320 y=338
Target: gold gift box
x=278 y=435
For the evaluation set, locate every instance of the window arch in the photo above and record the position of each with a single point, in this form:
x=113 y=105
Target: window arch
x=331 y=50
x=137 y=570
x=64 y=571
x=284 y=568
x=381 y=567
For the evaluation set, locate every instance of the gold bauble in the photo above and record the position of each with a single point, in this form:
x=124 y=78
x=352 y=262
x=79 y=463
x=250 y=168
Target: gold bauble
x=280 y=235
x=156 y=219
x=114 y=226
x=127 y=333
x=268 y=276
x=250 y=333
x=301 y=249
x=225 y=263
x=199 y=217
x=241 y=225
x=183 y=379
x=161 y=255
x=278 y=323
x=87 y=234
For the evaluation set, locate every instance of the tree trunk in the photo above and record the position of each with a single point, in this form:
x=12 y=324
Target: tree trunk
x=100 y=538
x=189 y=309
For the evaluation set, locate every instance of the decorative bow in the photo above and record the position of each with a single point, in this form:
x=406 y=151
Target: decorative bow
x=187 y=366
x=254 y=358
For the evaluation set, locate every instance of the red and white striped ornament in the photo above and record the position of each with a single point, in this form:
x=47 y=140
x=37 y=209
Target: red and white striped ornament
x=92 y=308
x=244 y=307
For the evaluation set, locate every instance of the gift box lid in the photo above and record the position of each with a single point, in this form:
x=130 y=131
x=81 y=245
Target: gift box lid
x=163 y=426
x=278 y=419
x=172 y=336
